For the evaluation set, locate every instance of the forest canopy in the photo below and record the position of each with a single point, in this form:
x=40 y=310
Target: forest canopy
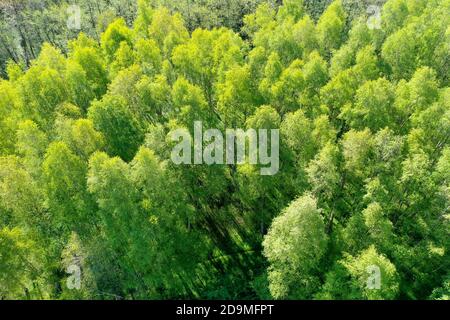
x=88 y=191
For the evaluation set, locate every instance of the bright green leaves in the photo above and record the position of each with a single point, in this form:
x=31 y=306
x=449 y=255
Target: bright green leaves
x=378 y=225
x=189 y=104
x=418 y=40
x=369 y=275
x=292 y=35
x=42 y=89
x=154 y=98
x=206 y=57
x=339 y=92
x=364 y=120
x=357 y=150
x=237 y=96
x=80 y=90
x=120 y=128
x=374 y=106
x=400 y=52
x=285 y=93
x=142 y=221
x=123 y=59
x=19 y=193
x=143 y=18
x=9 y=114
x=168 y=31
x=304 y=32
x=116 y=33
x=323 y=174
x=265 y=117
x=64 y=174
x=84 y=139
x=394 y=15
x=259 y=20
x=360 y=36
x=18 y=265
x=315 y=72
x=370 y=264
x=294 y=246
x=85 y=52
x=291 y=9
x=296 y=131
x=31 y=145
x=330 y=27
x=423 y=88
x=148 y=56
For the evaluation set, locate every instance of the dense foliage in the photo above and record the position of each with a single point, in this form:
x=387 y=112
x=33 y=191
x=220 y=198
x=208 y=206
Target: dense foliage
x=86 y=178
x=26 y=24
